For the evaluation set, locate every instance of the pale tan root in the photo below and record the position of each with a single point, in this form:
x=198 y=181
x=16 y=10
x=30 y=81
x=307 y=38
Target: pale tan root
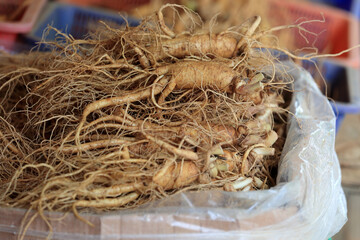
x=249 y=33
x=260 y=184
x=114 y=190
x=193 y=135
x=132 y=97
x=176 y=175
x=226 y=133
x=221 y=45
x=241 y=183
x=254 y=97
x=107 y=202
x=115 y=118
x=144 y=61
x=200 y=75
x=163 y=26
x=265 y=151
x=103 y=203
x=169 y=88
x=228 y=187
x=255 y=126
x=126 y=153
x=246 y=154
x=252 y=139
x=187 y=154
x=93 y=145
x=198 y=45
x=217 y=134
x=231 y=159
x=119 y=64
x=10 y=145
x=271 y=138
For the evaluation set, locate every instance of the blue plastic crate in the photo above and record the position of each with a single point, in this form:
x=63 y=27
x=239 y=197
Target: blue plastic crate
x=343 y=87
x=346 y=82
x=343 y=4
x=75 y=20
x=355 y=8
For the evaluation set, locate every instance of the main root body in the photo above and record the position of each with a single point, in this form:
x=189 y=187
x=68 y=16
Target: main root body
x=136 y=115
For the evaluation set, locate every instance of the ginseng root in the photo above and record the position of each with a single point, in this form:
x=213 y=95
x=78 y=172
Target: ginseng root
x=176 y=175
x=219 y=45
x=200 y=75
x=114 y=191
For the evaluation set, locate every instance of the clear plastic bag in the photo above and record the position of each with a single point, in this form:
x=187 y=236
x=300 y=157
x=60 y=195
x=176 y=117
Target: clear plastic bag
x=307 y=202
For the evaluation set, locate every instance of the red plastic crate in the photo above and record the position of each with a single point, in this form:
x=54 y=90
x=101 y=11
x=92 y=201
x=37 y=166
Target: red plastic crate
x=339 y=32
x=22 y=24
x=118 y=5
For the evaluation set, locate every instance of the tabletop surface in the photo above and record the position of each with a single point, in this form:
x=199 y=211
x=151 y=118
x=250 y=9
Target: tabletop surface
x=348 y=149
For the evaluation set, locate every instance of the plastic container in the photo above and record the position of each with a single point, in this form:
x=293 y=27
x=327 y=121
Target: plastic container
x=74 y=20
x=344 y=91
x=339 y=30
x=355 y=8
x=119 y=5
x=307 y=202
x=22 y=23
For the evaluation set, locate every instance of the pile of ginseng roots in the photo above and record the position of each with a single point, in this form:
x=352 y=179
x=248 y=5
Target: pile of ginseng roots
x=134 y=114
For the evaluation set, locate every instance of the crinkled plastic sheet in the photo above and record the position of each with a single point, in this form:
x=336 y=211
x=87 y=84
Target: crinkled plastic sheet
x=307 y=202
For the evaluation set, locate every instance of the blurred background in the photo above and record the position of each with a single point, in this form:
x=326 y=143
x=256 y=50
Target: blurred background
x=332 y=26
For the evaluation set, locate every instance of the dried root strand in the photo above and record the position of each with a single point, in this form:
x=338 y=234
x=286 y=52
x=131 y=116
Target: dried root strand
x=187 y=154
x=11 y=146
x=108 y=202
x=104 y=203
x=128 y=98
x=114 y=190
x=162 y=24
x=94 y=145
